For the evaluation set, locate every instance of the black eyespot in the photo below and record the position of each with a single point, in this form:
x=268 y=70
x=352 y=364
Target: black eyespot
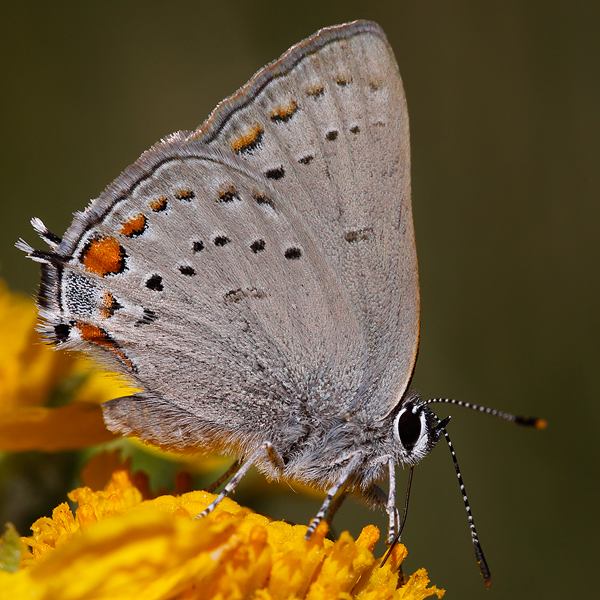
x=257 y=246
x=187 y=270
x=409 y=428
x=155 y=283
x=293 y=253
x=61 y=332
x=220 y=240
x=276 y=173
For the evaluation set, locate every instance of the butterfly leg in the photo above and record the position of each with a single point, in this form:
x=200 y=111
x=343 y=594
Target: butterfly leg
x=335 y=506
x=231 y=471
x=274 y=457
x=390 y=508
x=332 y=492
x=378 y=498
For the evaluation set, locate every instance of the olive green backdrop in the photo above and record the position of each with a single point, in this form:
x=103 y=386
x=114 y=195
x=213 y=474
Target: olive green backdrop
x=504 y=101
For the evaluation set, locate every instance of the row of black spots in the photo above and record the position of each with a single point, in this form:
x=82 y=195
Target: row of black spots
x=318 y=90
x=222 y=240
x=161 y=203
x=330 y=136
x=155 y=281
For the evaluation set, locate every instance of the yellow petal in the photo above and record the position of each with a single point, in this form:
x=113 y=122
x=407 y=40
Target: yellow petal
x=52 y=429
x=119 y=546
x=416 y=587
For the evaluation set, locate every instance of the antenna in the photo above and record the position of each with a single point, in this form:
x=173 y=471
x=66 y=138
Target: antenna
x=519 y=420
x=441 y=426
x=483 y=566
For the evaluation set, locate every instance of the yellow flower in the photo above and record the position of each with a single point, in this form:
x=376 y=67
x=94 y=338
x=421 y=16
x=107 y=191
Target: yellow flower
x=32 y=376
x=120 y=546
x=120 y=543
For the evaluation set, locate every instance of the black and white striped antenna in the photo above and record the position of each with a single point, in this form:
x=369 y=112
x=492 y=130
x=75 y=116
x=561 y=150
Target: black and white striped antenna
x=441 y=425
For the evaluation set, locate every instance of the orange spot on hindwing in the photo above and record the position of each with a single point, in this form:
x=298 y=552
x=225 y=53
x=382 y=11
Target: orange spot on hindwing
x=248 y=141
x=284 y=113
x=103 y=255
x=134 y=226
x=96 y=335
x=158 y=204
x=110 y=305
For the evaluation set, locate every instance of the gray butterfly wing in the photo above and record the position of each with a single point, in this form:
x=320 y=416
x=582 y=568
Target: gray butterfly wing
x=328 y=124
x=258 y=275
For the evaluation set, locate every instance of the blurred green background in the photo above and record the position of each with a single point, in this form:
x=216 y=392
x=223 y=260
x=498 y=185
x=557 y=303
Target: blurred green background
x=504 y=102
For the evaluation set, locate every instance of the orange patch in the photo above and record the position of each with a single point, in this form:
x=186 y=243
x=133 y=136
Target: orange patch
x=134 y=226
x=247 y=141
x=285 y=112
x=228 y=194
x=343 y=81
x=110 y=304
x=91 y=333
x=315 y=91
x=184 y=195
x=158 y=204
x=104 y=256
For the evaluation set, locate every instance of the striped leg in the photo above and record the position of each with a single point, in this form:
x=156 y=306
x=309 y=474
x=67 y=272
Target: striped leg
x=380 y=499
x=335 y=506
x=273 y=457
x=398 y=537
x=392 y=511
x=332 y=492
x=217 y=484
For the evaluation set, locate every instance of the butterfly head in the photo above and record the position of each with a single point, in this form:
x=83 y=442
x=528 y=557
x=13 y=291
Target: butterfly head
x=416 y=429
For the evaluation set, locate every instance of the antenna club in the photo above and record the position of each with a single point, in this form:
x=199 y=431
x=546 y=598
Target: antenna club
x=531 y=422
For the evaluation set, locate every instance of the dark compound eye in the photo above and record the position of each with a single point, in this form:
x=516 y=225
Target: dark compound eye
x=409 y=428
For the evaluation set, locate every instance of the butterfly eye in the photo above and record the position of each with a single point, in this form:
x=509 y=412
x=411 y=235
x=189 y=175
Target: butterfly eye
x=409 y=428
